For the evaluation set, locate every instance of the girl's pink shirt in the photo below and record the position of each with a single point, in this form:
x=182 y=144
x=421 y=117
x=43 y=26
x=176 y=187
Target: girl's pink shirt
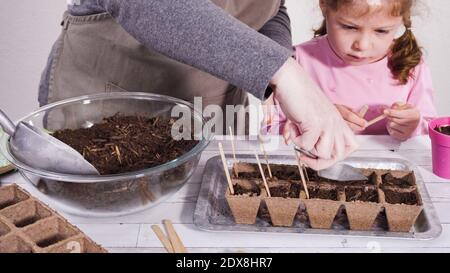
x=371 y=84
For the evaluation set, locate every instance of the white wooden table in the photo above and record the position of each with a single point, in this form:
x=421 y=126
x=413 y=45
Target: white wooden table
x=133 y=233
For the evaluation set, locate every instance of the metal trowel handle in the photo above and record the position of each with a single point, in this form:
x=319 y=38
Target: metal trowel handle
x=6 y=123
x=305 y=152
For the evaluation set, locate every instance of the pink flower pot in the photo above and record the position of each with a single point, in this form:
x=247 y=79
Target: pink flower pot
x=440 y=145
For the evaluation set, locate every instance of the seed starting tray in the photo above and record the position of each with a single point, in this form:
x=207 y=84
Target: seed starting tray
x=213 y=211
x=29 y=226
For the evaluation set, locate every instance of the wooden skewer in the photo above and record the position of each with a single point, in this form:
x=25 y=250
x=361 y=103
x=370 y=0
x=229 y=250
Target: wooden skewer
x=403 y=106
x=363 y=111
x=261 y=145
x=375 y=120
x=164 y=240
x=225 y=167
x=234 y=151
x=300 y=169
x=177 y=244
x=306 y=172
x=262 y=174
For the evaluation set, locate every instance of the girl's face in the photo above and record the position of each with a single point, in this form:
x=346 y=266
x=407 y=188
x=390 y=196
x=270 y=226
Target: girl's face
x=361 y=39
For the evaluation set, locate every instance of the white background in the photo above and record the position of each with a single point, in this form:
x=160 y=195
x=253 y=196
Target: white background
x=28 y=29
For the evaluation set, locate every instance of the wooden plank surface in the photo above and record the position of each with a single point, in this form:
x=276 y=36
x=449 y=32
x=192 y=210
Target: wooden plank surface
x=133 y=233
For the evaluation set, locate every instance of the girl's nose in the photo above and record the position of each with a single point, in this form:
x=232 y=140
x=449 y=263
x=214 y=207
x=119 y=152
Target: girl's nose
x=362 y=43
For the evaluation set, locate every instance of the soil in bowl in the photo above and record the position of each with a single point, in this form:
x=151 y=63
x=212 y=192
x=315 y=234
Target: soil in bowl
x=121 y=144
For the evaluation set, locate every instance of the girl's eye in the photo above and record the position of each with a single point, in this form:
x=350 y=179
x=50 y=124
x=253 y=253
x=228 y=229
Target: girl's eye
x=349 y=27
x=382 y=31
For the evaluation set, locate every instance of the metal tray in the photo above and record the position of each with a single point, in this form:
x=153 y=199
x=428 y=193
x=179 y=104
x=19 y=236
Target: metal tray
x=213 y=214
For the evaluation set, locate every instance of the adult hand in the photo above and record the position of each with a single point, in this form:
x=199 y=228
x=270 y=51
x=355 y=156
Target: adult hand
x=402 y=120
x=315 y=124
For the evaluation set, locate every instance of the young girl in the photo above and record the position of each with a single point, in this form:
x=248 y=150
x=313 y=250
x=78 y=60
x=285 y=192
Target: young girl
x=365 y=55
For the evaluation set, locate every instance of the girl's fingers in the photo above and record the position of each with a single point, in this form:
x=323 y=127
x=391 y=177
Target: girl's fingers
x=354 y=127
x=402 y=121
x=352 y=118
x=355 y=119
x=402 y=114
x=396 y=133
x=397 y=126
x=407 y=112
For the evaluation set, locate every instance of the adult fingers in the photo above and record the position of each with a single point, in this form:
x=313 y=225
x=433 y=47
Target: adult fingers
x=325 y=146
x=307 y=140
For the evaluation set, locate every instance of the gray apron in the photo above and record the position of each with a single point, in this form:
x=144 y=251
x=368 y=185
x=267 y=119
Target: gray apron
x=96 y=54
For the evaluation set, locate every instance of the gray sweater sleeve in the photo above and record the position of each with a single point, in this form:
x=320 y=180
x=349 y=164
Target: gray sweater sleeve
x=200 y=34
x=279 y=28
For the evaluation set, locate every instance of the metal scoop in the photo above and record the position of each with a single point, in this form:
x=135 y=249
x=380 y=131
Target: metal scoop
x=339 y=172
x=40 y=150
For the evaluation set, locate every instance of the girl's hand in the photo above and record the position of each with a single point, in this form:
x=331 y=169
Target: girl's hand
x=402 y=120
x=353 y=119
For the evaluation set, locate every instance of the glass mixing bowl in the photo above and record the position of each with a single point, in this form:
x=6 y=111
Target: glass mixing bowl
x=111 y=195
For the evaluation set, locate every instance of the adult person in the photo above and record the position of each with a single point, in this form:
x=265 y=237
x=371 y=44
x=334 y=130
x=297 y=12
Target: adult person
x=152 y=46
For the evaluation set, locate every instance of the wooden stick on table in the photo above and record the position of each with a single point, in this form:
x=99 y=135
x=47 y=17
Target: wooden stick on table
x=261 y=145
x=225 y=167
x=177 y=244
x=164 y=240
x=262 y=174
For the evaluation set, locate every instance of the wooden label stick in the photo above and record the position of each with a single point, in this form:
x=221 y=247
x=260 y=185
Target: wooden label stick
x=262 y=174
x=300 y=169
x=233 y=148
x=403 y=106
x=375 y=120
x=177 y=244
x=164 y=240
x=306 y=172
x=261 y=145
x=225 y=167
